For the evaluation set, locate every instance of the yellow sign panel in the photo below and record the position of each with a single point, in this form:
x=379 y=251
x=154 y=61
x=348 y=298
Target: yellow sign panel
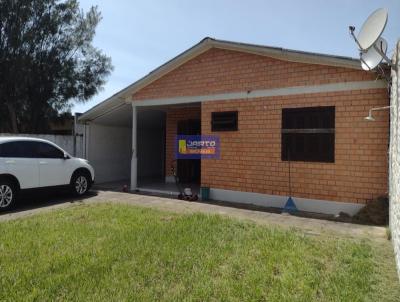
x=182 y=146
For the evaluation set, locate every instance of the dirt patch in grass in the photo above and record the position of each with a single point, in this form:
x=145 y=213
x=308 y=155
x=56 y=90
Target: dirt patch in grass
x=375 y=212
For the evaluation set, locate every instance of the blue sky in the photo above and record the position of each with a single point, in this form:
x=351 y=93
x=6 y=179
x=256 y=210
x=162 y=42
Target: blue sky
x=141 y=35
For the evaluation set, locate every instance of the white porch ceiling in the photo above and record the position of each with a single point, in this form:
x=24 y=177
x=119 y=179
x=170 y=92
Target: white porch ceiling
x=120 y=117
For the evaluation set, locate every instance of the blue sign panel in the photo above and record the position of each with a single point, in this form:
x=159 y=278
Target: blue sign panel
x=196 y=146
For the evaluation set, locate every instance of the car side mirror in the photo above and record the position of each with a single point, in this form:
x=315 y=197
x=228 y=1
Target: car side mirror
x=66 y=156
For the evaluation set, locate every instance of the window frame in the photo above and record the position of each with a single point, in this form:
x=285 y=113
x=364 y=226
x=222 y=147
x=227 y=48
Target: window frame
x=219 y=114
x=321 y=129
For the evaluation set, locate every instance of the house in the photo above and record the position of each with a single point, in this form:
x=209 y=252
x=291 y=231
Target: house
x=280 y=109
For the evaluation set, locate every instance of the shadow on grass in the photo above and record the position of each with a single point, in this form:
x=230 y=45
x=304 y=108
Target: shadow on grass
x=44 y=198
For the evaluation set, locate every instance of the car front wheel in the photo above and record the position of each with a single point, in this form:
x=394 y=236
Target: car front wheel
x=8 y=195
x=80 y=184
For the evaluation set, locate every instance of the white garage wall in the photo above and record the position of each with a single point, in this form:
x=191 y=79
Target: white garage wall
x=109 y=151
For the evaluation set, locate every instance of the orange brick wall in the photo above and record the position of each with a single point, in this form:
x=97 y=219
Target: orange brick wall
x=175 y=114
x=251 y=157
x=219 y=71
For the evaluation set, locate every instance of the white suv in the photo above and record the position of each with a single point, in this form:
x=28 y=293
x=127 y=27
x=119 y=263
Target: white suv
x=30 y=163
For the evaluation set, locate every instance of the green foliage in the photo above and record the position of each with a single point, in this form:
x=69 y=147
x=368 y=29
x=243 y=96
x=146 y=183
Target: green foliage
x=47 y=61
x=122 y=253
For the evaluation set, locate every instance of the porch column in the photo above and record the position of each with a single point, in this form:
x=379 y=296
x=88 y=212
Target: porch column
x=134 y=149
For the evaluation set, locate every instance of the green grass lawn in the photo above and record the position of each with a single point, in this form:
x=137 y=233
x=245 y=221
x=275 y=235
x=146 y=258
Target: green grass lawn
x=116 y=253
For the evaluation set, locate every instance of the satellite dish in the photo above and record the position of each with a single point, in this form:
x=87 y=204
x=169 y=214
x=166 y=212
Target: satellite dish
x=371 y=58
x=372 y=28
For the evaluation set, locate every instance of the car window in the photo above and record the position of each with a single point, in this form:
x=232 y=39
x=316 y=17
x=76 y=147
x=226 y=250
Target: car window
x=48 y=151
x=18 y=149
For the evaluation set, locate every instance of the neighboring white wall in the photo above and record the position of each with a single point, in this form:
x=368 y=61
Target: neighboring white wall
x=66 y=142
x=394 y=163
x=109 y=152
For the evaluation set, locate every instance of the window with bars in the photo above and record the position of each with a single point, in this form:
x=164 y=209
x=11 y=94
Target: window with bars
x=308 y=134
x=224 y=121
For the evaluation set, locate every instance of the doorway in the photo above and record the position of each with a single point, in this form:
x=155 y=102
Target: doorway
x=189 y=170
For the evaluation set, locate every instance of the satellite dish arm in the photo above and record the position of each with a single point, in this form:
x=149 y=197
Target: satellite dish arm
x=385 y=57
x=352 y=29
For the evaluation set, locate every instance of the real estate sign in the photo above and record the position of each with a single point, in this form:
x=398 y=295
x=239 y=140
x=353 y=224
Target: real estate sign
x=197 y=146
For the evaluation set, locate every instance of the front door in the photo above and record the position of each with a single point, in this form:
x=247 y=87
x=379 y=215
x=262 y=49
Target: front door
x=188 y=170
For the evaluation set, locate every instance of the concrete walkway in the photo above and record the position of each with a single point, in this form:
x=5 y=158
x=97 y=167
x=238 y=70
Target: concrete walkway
x=306 y=225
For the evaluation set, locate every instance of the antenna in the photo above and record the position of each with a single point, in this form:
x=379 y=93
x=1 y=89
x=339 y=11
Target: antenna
x=369 y=41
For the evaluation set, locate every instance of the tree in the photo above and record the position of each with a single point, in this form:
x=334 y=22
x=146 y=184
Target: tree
x=47 y=61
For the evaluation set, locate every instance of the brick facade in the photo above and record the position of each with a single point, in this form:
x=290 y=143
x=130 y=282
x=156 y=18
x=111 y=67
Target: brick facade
x=220 y=71
x=251 y=157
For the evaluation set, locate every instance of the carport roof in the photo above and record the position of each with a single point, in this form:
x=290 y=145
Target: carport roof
x=122 y=97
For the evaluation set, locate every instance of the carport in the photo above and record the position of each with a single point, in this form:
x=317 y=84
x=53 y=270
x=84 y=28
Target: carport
x=108 y=144
x=133 y=144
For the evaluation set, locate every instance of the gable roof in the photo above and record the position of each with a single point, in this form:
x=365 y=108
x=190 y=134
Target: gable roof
x=207 y=43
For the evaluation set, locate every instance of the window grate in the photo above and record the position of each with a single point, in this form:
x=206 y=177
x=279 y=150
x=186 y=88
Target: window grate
x=224 y=121
x=308 y=134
